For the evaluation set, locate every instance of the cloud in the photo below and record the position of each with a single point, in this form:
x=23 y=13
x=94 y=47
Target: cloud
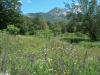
x=20 y=1
x=28 y=1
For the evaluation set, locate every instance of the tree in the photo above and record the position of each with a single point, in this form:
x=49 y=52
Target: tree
x=71 y=27
x=26 y=26
x=40 y=23
x=9 y=13
x=63 y=26
x=86 y=13
x=56 y=28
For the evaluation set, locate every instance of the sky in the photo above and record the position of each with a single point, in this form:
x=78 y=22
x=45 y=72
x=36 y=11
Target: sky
x=34 y=6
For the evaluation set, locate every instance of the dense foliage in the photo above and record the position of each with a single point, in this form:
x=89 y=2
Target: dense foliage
x=85 y=14
x=11 y=29
x=9 y=13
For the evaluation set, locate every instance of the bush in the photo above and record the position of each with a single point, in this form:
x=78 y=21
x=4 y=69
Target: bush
x=44 y=33
x=79 y=34
x=11 y=29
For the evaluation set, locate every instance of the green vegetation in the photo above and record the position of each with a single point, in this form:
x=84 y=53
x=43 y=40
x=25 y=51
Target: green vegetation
x=12 y=29
x=33 y=55
x=44 y=33
x=35 y=46
x=86 y=16
x=83 y=18
x=10 y=13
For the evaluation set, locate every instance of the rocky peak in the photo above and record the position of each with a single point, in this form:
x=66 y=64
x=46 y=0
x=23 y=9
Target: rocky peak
x=58 y=12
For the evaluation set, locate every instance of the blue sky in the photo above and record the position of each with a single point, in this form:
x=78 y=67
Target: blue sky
x=33 y=6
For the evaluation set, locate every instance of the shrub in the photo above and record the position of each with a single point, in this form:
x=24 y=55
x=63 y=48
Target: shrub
x=44 y=33
x=11 y=29
x=79 y=34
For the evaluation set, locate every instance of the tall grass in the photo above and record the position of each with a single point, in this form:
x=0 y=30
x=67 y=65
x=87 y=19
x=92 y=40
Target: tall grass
x=29 y=55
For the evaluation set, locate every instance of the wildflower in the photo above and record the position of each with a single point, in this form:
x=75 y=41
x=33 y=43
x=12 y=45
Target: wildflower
x=49 y=59
x=46 y=47
x=50 y=69
x=98 y=59
x=3 y=67
x=65 y=72
x=41 y=67
x=4 y=73
x=74 y=63
x=26 y=56
x=34 y=72
x=68 y=70
x=91 y=58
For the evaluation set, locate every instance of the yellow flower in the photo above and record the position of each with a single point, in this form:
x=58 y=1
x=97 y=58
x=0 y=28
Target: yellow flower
x=65 y=72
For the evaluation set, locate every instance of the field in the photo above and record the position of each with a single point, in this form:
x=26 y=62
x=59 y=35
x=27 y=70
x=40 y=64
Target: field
x=60 y=55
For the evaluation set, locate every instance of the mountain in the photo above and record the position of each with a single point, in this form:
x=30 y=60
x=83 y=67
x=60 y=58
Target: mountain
x=56 y=14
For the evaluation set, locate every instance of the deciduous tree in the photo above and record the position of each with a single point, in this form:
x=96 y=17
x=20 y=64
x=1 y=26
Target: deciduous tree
x=86 y=13
x=9 y=13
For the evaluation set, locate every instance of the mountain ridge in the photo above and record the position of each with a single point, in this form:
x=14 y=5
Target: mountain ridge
x=55 y=14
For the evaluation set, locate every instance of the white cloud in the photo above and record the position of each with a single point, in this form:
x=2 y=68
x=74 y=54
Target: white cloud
x=28 y=1
x=76 y=4
x=20 y=1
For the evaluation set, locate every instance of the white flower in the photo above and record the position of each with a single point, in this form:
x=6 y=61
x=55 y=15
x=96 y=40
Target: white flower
x=4 y=73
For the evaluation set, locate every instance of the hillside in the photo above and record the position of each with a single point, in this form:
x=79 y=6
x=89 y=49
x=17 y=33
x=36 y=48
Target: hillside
x=56 y=14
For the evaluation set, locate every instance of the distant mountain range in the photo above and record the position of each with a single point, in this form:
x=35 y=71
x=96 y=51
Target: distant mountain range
x=56 y=14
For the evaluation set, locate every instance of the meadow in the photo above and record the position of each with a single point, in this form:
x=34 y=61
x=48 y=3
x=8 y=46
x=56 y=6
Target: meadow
x=66 y=54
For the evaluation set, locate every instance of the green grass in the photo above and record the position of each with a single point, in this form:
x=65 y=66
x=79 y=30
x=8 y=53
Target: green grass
x=32 y=55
